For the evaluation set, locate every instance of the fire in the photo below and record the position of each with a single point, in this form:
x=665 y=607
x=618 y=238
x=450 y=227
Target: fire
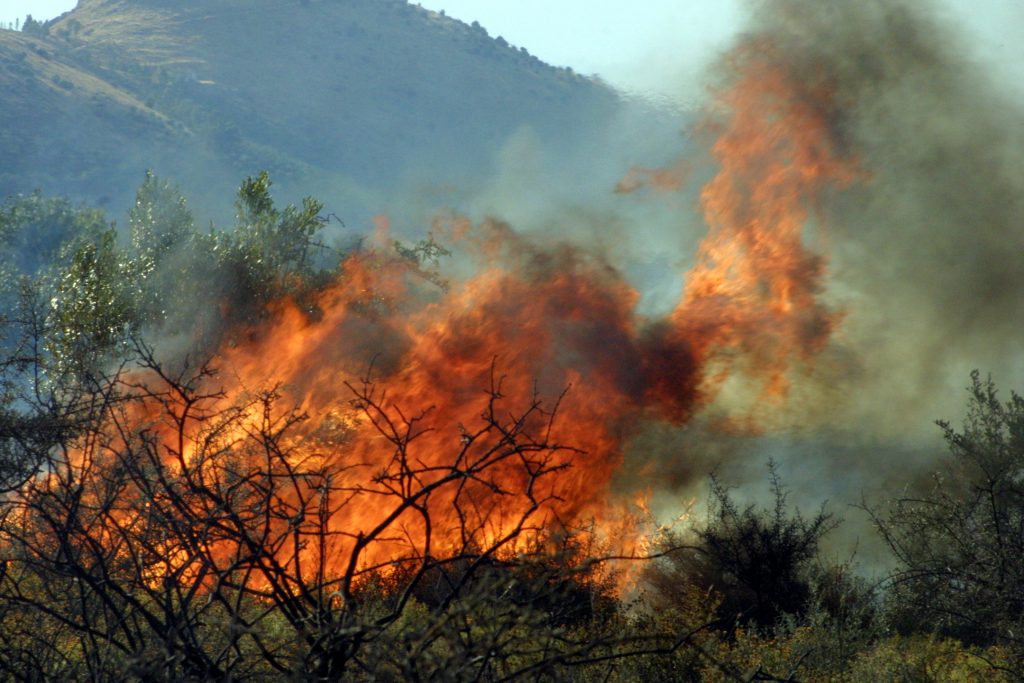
x=529 y=325
x=754 y=289
x=549 y=319
x=448 y=417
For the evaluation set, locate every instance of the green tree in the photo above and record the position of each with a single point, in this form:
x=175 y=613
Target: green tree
x=960 y=544
x=40 y=369
x=93 y=307
x=160 y=219
x=270 y=252
x=757 y=561
x=278 y=242
x=33 y=27
x=34 y=228
x=163 y=240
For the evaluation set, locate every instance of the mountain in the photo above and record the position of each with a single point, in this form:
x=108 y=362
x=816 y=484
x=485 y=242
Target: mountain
x=324 y=94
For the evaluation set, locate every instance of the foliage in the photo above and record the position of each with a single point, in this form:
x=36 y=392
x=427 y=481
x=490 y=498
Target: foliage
x=960 y=545
x=38 y=399
x=159 y=221
x=843 y=620
x=677 y=607
x=33 y=229
x=97 y=290
x=755 y=560
x=926 y=658
x=270 y=251
x=33 y=27
x=425 y=256
x=92 y=308
x=73 y=294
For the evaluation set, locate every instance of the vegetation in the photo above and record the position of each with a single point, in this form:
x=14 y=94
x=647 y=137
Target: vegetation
x=172 y=86
x=196 y=545
x=33 y=27
x=960 y=545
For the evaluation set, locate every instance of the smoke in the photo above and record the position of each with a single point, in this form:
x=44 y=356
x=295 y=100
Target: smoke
x=927 y=250
x=921 y=251
x=924 y=251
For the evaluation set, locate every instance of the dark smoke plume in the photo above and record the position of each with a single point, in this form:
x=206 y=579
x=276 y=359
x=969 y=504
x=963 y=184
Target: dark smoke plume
x=925 y=252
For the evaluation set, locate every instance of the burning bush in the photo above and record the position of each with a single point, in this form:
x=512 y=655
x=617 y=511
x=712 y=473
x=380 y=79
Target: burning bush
x=186 y=536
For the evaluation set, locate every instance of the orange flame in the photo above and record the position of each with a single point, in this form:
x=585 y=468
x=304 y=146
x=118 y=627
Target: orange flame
x=754 y=288
x=531 y=322
x=556 y=318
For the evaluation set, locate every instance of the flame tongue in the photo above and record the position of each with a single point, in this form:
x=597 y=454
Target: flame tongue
x=755 y=285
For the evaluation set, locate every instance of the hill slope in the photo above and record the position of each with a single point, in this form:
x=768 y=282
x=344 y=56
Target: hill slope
x=320 y=93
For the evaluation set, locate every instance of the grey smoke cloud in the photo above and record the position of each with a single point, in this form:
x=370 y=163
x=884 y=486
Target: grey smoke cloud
x=925 y=259
x=926 y=252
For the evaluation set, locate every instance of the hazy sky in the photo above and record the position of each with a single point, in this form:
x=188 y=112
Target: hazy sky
x=39 y=9
x=647 y=45
x=653 y=46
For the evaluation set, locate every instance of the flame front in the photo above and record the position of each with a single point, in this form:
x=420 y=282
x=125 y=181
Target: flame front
x=537 y=363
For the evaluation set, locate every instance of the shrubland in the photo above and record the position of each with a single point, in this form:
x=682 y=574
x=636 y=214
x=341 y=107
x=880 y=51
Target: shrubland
x=153 y=529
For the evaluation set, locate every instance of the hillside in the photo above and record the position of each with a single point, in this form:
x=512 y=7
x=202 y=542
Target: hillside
x=63 y=127
x=323 y=94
